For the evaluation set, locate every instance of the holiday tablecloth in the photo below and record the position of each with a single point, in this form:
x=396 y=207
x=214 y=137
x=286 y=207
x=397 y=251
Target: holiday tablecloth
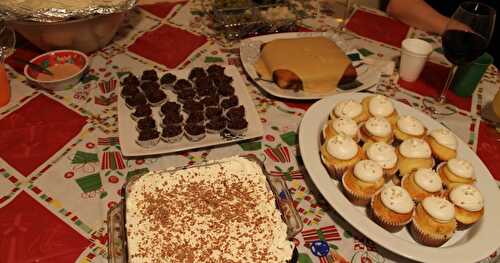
x=61 y=167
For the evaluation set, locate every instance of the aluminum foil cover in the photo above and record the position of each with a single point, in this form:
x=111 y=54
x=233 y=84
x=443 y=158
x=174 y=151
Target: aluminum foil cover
x=59 y=10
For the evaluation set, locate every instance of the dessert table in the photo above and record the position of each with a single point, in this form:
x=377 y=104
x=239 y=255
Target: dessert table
x=61 y=166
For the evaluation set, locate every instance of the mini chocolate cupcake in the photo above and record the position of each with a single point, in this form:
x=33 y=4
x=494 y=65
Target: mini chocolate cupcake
x=212 y=112
x=195 y=132
x=210 y=101
x=221 y=80
x=229 y=102
x=169 y=107
x=168 y=79
x=237 y=127
x=130 y=80
x=196 y=73
x=182 y=84
x=137 y=99
x=236 y=112
x=146 y=123
x=149 y=86
x=156 y=97
x=215 y=70
x=206 y=92
x=172 y=119
x=197 y=117
x=141 y=112
x=192 y=106
x=148 y=138
x=129 y=91
x=186 y=95
x=226 y=90
x=149 y=75
x=216 y=125
x=172 y=133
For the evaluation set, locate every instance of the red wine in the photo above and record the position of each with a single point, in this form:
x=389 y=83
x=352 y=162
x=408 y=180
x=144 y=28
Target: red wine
x=462 y=47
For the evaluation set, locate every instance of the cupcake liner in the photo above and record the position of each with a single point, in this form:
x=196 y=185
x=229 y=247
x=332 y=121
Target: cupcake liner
x=195 y=138
x=135 y=118
x=356 y=199
x=157 y=104
x=335 y=173
x=426 y=239
x=148 y=143
x=238 y=132
x=174 y=124
x=396 y=180
x=384 y=222
x=212 y=131
x=172 y=139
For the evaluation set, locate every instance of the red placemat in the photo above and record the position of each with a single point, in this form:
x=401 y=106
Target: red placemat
x=431 y=82
x=161 y=9
x=379 y=28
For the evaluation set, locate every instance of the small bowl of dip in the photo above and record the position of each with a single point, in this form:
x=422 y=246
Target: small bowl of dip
x=67 y=67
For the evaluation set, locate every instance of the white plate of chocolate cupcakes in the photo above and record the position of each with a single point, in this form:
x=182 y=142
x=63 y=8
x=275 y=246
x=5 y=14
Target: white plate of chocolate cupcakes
x=401 y=178
x=174 y=111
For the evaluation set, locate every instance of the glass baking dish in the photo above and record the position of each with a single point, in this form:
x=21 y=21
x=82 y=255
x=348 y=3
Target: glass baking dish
x=117 y=243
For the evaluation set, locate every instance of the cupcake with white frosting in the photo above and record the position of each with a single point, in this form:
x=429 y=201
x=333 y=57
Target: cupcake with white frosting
x=349 y=109
x=380 y=106
x=363 y=182
x=340 y=153
x=376 y=129
x=455 y=172
x=443 y=144
x=434 y=221
x=342 y=125
x=414 y=153
x=385 y=155
x=392 y=208
x=422 y=183
x=469 y=205
x=408 y=127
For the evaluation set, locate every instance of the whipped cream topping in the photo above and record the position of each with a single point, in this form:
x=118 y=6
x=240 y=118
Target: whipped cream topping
x=415 y=148
x=216 y=212
x=368 y=171
x=428 y=180
x=397 y=199
x=348 y=109
x=382 y=153
x=410 y=125
x=378 y=126
x=445 y=137
x=467 y=197
x=380 y=106
x=439 y=208
x=342 y=147
x=461 y=168
x=345 y=125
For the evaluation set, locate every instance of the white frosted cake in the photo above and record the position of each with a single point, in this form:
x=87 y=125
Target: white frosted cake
x=222 y=212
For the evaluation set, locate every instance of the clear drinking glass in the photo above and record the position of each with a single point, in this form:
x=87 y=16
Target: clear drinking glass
x=7 y=41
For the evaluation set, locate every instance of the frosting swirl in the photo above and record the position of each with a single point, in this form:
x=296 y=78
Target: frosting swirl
x=415 y=148
x=428 y=179
x=445 y=137
x=378 y=126
x=380 y=106
x=410 y=125
x=461 y=168
x=397 y=199
x=368 y=171
x=348 y=108
x=439 y=208
x=345 y=125
x=342 y=147
x=382 y=153
x=467 y=197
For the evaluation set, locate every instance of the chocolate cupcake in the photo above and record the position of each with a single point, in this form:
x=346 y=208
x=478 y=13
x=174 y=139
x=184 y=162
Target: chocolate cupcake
x=192 y=106
x=210 y=101
x=216 y=125
x=156 y=97
x=197 y=117
x=236 y=113
x=172 y=133
x=168 y=79
x=169 y=108
x=137 y=99
x=215 y=70
x=149 y=86
x=149 y=75
x=148 y=138
x=206 y=92
x=182 y=84
x=229 y=102
x=203 y=83
x=237 y=127
x=146 y=123
x=130 y=80
x=141 y=112
x=196 y=73
x=129 y=91
x=212 y=112
x=221 y=80
x=186 y=95
x=195 y=132
x=172 y=119
x=226 y=90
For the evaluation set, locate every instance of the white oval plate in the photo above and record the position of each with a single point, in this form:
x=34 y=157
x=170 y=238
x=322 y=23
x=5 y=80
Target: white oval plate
x=471 y=245
x=250 y=52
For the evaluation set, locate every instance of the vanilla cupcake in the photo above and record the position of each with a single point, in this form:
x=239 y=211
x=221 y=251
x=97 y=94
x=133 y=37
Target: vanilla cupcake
x=408 y=127
x=340 y=153
x=376 y=129
x=434 y=221
x=414 y=153
x=469 y=205
x=363 y=182
x=385 y=155
x=455 y=172
x=349 y=109
x=341 y=125
x=380 y=106
x=422 y=183
x=443 y=144
x=392 y=208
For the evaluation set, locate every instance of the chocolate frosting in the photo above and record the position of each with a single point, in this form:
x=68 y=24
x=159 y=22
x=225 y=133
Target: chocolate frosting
x=168 y=78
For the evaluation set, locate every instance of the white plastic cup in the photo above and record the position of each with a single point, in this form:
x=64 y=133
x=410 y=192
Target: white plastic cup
x=414 y=54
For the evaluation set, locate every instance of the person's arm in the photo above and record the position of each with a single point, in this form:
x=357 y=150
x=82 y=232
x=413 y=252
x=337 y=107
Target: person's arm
x=419 y=14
